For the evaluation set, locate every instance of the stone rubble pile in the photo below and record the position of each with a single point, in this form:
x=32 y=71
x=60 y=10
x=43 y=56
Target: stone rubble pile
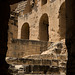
x=52 y=61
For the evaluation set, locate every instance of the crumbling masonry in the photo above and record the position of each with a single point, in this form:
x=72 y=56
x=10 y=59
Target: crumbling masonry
x=37 y=30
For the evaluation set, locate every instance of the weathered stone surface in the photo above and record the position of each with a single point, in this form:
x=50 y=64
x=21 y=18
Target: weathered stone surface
x=39 y=69
x=56 y=48
x=20 y=48
x=49 y=62
x=41 y=20
x=34 y=14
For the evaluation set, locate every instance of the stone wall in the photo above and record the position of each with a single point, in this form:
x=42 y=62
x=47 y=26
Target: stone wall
x=45 y=20
x=55 y=10
x=45 y=65
x=32 y=12
x=20 y=48
x=37 y=16
x=52 y=61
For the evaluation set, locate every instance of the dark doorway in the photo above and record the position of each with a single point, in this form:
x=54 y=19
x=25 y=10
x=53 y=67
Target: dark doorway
x=44 y=2
x=43 y=28
x=25 y=31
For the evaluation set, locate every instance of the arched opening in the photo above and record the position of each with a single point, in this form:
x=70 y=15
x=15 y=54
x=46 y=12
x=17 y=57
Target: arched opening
x=43 y=28
x=25 y=31
x=44 y=2
x=62 y=21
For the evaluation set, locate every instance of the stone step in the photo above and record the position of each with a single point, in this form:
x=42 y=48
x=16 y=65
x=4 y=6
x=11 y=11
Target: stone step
x=37 y=69
x=39 y=60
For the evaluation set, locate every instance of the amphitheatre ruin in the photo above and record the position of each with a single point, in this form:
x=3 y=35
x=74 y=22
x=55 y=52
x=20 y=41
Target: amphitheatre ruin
x=36 y=38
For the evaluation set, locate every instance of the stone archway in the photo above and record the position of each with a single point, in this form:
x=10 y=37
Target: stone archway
x=43 y=28
x=62 y=21
x=25 y=31
x=43 y=2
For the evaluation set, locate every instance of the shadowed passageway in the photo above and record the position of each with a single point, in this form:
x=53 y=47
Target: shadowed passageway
x=4 y=18
x=70 y=36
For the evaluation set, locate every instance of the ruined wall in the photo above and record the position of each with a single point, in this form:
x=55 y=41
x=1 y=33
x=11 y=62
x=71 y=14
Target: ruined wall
x=21 y=48
x=53 y=61
x=47 y=65
x=46 y=22
x=43 y=20
x=55 y=10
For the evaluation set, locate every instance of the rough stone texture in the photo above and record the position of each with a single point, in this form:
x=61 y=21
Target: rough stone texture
x=54 y=11
x=34 y=13
x=38 y=66
x=45 y=22
x=20 y=48
x=56 y=48
x=37 y=69
x=38 y=20
x=53 y=62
